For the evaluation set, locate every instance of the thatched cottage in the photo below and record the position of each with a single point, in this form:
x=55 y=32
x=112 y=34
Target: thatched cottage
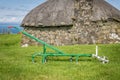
x=68 y=22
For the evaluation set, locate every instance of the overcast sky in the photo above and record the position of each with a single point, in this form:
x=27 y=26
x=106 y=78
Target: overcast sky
x=15 y=10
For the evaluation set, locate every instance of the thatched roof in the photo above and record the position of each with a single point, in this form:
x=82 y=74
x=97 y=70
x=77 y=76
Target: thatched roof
x=61 y=12
x=103 y=10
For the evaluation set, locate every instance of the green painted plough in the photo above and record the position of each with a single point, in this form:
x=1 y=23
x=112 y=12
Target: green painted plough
x=58 y=52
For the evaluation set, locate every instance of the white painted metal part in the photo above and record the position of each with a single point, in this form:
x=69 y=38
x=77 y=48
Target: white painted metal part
x=102 y=59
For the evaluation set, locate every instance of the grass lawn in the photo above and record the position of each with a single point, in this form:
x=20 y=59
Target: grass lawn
x=16 y=64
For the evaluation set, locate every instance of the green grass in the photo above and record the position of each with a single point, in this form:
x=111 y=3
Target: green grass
x=16 y=64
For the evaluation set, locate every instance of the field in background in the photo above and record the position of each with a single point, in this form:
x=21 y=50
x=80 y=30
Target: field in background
x=16 y=64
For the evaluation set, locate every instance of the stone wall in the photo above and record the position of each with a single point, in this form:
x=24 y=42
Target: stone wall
x=101 y=32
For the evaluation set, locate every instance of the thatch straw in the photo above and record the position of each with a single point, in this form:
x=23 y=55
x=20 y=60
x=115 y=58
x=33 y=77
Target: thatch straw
x=61 y=12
